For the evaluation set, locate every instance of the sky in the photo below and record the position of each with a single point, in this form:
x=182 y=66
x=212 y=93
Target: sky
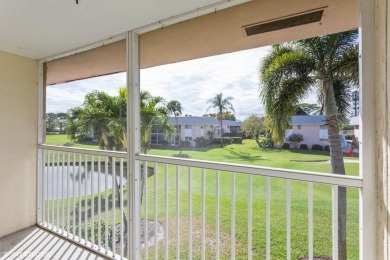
x=191 y=83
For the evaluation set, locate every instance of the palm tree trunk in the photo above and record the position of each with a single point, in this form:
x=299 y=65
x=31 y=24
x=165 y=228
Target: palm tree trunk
x=337 y=166
x=177 y=128
x=220 y=118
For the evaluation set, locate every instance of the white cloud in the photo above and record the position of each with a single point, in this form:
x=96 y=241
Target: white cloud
x=192 y=83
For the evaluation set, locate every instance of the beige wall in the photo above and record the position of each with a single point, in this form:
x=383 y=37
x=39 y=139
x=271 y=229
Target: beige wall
x=18 y=142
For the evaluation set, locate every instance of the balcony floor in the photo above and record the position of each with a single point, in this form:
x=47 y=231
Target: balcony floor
x=37 y=243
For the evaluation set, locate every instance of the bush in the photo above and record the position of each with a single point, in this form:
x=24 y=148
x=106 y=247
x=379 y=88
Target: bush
x=303 y=147
x=236 y=140
x=225 y=140
x=185 y=143
x=326 y=148
x=295 y=139
x=286 y=146
x=266 y=143
x=316 y=147
x=201 y=142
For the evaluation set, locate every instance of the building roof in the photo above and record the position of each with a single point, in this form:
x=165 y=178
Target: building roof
x=194 y=120
x=308 y=120
x=231 y=123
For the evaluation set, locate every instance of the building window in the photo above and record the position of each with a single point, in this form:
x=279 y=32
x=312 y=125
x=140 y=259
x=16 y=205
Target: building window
x=299 y=126
x=188 y=126
x=188 y=138
x=323 y=133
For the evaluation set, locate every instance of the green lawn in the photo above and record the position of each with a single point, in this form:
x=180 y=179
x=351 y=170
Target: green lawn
x=247 y=153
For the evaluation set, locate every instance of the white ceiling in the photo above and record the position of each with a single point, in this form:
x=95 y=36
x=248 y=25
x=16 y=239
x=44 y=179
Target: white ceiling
x=42 y=28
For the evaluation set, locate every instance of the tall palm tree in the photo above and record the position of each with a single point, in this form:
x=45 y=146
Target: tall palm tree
x=326 y=64
x=223 y=105
x=174 y=107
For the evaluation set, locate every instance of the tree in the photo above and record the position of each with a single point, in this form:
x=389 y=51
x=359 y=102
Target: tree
x=174 y=107
x=51 y=121
x=105 y=116
x=61 y=121
x=295 y=139
x=225 y=116
x=310 y=109
x=72 y=127
x=223 y=105
x=254 y=125
x=154 y=114
x=328 y=65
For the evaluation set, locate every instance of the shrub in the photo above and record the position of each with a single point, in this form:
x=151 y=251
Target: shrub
x=201 y=142
x=303 y=147
x=286 y=146
x=236 y=140
x=266 y=143
x=295 y=139
x=185 y=143
x=316 y=147
x=225 y=140
x=326 y=148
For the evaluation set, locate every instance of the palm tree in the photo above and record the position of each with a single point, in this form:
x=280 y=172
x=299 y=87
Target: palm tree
x=106 y=116
x=223 y=105
x=154 y=114
x=174 y=107
x=326 y=64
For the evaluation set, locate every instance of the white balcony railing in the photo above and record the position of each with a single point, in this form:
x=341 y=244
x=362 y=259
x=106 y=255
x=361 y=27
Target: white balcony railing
x=195 y=209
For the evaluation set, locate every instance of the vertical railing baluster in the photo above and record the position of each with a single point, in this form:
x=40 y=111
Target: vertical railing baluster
x=79 y=197
x=106 y=204
x=44 y=177
x=74 y=196
x=52 y=189
x=67 y=192
x=58 y=190
x=335 y=222
x=92 y=201
x=121 y=208
x=177 y=212
x=203 y=249
x=288 y=219
x=189 y=212
x=113 y=174
x=268 y=218
x=63 y=191
x=146 y=209
x=233 y=215
x=85 y=199
x=48 y=191
x=155 y=211
x=217 y=244
x=250 y=216
x=310 y=220
x=99 y=204
x=166 y=213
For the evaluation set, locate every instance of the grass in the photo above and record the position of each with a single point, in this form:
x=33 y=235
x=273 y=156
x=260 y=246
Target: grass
x=247 y=153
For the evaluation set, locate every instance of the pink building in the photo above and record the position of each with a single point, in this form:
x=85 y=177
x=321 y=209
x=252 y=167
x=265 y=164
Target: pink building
x=191 y=127
x=313 y=129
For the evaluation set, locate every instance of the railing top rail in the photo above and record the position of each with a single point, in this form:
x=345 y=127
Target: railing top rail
x=83 y=151
x=324 y=178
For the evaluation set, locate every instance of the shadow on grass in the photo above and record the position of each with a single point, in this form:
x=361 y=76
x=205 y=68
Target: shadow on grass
x=185 y=149
x=243 y=156
x=183 y=155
